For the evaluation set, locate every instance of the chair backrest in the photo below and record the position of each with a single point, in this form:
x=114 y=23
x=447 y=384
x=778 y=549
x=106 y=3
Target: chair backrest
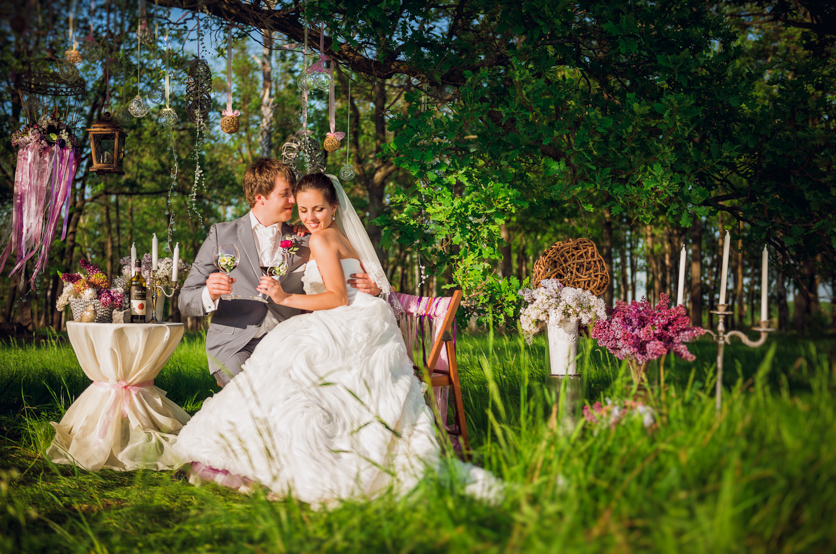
x=425 y=320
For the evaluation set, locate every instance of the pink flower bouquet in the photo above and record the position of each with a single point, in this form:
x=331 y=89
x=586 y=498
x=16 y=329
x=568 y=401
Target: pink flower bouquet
x=638 y=332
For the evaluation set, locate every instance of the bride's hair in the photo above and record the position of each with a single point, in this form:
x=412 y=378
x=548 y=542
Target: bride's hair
x=319 y=182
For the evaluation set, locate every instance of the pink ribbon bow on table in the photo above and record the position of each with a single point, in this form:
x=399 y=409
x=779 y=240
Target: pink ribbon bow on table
x=121 y=386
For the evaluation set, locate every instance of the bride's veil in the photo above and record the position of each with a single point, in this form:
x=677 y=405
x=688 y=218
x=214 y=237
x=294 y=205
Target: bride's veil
x=350 y=224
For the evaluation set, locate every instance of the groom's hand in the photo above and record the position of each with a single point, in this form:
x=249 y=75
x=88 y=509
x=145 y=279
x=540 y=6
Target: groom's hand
x=219 y=284
x=363 y=283
x=301 y=230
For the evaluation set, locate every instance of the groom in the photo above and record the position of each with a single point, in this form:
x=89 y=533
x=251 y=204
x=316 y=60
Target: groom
x=238 y=325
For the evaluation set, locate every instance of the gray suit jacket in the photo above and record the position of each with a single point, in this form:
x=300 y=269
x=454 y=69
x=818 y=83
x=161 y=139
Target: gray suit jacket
x=236 y=322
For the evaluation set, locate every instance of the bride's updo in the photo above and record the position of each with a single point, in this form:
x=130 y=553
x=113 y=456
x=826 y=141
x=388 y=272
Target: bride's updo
x=319 y=182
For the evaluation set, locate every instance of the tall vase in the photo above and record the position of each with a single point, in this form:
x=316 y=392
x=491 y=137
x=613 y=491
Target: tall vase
x=563 y=346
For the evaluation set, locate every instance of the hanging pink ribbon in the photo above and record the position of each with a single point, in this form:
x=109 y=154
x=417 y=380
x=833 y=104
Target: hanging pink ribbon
x=127 y=391
x=229 y=111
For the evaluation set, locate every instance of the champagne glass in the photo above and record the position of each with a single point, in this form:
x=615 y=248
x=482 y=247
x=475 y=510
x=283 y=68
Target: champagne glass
x=226 y=258
x=275 y=268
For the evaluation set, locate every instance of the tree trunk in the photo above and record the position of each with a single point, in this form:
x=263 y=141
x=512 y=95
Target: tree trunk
x=696 y=268
x=522 y=259
x=507 y=260
x=667 y=266
x=738 y=280
x=806 y=298
x=265 y=131
x=14 y=282
x=653 y=265
x=607 y=255
x=634 y=262
x=624 y=293
x=781 y=299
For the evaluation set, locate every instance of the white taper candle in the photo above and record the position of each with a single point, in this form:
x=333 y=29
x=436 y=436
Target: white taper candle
x=133 y=254
x=680 y=291
x=724 y=272
x=764 y=284
x=154 y=253
x=175 y=263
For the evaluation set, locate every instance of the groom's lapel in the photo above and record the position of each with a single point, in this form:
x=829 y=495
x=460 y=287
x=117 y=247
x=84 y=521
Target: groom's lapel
x=245 y=236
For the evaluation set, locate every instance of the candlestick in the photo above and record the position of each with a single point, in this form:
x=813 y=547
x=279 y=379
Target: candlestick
x=154 y=245
x=175 y=263
x=723 y=274
x=680 y=291
x=764 y=285
x=133 y=254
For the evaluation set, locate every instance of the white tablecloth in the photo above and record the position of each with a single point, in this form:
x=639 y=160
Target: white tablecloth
x=122 y=421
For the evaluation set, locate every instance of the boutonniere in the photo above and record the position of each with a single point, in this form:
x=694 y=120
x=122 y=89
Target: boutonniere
x=289 y=245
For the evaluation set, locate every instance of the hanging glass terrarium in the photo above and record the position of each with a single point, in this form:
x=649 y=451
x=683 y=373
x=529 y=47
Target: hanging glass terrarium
x=107 y=145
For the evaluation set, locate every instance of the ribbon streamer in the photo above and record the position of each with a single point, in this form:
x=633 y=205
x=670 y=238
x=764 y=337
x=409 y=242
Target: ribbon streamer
x=229 y=111
x=123 y=388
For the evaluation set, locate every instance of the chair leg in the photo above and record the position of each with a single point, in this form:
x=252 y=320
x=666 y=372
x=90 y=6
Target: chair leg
x=457 y=396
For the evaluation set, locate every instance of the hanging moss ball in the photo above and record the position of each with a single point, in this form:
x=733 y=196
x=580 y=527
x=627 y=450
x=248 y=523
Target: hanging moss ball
x=230 y=124
x=331 y=144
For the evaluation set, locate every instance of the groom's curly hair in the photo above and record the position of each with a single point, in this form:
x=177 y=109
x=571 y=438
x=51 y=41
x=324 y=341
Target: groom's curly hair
x=260 y=178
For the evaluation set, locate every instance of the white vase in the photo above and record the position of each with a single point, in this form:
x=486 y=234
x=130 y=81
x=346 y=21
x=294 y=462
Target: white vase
x=160 y=306
x=563 y=346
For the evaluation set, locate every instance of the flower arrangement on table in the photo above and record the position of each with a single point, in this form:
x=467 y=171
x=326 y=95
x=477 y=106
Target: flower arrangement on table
x=91 y=295
x=46 y=132
x=552 y=302
x=638 y=332
x=162 y=275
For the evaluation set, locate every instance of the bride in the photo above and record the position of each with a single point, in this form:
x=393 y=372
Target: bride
x=327 y=408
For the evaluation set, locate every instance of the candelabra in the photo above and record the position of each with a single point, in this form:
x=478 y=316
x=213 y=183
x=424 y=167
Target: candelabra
x=722 y=338
x=154 y=287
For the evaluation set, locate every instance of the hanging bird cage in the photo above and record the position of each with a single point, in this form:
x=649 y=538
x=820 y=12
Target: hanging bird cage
x=107 y=145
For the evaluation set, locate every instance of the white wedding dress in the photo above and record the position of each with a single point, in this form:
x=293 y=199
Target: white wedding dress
x=327 y=408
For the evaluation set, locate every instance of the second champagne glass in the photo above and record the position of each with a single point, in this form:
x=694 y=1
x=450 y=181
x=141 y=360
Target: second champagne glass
x=226 y=258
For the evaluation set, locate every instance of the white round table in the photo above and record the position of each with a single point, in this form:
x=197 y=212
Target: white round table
x=122 y=421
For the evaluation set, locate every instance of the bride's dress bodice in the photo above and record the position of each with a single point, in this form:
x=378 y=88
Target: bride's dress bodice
x=312 y=280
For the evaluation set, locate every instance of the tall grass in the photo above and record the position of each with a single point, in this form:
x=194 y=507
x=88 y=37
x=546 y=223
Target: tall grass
x=759 y=476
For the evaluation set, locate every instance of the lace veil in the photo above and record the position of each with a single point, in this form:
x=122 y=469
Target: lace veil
x=350 y=224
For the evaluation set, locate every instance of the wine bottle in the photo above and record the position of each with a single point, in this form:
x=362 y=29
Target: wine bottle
x=139 y=292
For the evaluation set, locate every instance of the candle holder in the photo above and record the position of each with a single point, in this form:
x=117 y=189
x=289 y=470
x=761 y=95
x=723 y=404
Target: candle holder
x=154 y=287
x=722 y=338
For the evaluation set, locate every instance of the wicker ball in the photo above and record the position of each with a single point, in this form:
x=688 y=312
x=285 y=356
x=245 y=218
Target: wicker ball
x=73 y=56
x=575 y=263
x=230 y=124
x=331 y=144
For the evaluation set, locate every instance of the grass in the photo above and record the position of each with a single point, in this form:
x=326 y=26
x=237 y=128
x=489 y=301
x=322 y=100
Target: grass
x=760 y=477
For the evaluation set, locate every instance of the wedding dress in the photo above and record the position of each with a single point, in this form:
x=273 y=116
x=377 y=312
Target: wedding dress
x=327 y=408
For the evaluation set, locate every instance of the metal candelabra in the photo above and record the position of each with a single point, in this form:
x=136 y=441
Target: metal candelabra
x=154 y=288
x=722 y=338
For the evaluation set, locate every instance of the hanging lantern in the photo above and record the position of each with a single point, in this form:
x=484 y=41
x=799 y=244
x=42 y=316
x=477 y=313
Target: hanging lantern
x=107 y=145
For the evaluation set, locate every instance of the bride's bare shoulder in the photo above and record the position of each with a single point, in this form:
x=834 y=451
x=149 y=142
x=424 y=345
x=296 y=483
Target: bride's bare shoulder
x=327 y=238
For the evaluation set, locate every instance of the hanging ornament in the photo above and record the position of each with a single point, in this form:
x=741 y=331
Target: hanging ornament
x=90 y=49
x=67 y=70
x=198 y=87
x=168 y=118
x=229 y=119
x=72 y=54
x=347 y=170
x=303 y=154
x=155 y=94
x=332 y=141
x=318 y=77
x=138 y=107
x=143 y=33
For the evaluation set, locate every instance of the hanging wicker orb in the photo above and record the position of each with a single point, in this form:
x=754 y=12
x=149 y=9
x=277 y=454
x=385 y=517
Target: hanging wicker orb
x=90 y=49
x=319 y=80
x=155 y=94
x=73 y=56
x=198 y=87
x=168 y=118
x=230 y=124
x=145 y=35
x=138 y=107
x=303 y=154
x=67 y=70
x=331 y=143
x=347 y=172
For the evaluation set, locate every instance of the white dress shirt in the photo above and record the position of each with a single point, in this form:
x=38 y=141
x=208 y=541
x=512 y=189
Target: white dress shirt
x=267 y=241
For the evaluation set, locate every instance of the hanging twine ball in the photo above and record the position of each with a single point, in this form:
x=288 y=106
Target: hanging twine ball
x=347 y=172
x=168 y=117
x=575 y=263
x=331 y=143
x=230 y=124
x=73 y=56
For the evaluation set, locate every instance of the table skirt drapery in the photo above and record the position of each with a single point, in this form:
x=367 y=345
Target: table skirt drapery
x=122 y=421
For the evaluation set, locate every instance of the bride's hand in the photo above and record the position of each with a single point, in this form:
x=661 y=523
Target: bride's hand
x=272 y=288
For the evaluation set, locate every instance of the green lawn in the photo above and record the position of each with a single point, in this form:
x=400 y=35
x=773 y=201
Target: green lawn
x=760 y=477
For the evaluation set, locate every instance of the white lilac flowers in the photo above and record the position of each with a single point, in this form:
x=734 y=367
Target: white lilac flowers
x=551 y=301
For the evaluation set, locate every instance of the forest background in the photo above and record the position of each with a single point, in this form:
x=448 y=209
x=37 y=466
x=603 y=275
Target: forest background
x=481 y=133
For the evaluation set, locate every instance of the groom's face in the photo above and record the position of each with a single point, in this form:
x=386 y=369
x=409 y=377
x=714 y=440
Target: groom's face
x=278 y=205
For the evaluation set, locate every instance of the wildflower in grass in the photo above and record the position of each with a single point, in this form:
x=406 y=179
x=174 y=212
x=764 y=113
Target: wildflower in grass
x=638 y=332
x=551 y=301
x=612 y=414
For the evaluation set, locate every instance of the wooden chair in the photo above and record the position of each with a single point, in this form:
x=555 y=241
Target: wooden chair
x=428 y=321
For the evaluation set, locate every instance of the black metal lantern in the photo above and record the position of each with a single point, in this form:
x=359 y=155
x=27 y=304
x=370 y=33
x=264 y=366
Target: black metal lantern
x=107 y=145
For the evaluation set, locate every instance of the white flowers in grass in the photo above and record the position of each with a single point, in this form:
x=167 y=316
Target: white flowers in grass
x=551 y=301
